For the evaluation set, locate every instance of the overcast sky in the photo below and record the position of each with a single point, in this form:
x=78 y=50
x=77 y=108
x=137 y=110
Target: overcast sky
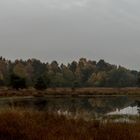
x=65 y=30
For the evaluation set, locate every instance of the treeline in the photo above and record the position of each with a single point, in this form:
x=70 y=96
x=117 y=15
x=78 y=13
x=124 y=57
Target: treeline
x=84 y=73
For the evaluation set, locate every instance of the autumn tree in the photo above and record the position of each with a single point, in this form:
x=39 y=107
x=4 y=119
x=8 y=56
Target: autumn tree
x=84 y=72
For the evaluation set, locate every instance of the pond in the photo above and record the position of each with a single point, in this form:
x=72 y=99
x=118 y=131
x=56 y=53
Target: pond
x=81 y=107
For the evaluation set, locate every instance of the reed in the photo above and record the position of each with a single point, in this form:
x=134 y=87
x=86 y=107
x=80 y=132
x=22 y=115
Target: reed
x=17 y=124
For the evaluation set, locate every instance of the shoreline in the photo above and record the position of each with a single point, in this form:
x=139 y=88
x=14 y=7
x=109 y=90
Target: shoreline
x=69 y=92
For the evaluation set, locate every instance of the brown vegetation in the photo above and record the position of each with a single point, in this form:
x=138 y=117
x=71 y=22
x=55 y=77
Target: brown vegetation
x=5 y=92
x=95 y=91
x=32 y=125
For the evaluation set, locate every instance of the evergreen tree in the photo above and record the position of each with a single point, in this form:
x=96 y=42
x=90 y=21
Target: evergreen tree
x=17 y=82
x=40 y=83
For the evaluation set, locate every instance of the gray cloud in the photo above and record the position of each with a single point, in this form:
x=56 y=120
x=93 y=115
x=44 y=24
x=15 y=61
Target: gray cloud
x=69 y=29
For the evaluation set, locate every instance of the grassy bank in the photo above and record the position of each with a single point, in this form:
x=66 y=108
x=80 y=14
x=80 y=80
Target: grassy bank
x=31 y=125
x=5 y=92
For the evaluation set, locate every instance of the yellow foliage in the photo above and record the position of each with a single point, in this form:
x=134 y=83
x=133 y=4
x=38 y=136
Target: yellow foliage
x=20 y=70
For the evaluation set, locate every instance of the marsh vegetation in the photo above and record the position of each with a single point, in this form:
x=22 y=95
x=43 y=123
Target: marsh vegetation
x=34 y=125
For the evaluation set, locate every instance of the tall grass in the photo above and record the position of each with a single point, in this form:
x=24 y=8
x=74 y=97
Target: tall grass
x=18 y=124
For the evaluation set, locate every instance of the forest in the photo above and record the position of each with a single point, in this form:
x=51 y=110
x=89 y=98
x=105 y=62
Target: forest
x=84 y=73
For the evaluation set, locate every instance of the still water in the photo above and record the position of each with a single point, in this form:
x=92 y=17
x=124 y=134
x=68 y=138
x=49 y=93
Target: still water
x=84 y=107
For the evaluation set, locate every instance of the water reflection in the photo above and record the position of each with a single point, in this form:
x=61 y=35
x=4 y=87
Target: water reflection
x=85 y=107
